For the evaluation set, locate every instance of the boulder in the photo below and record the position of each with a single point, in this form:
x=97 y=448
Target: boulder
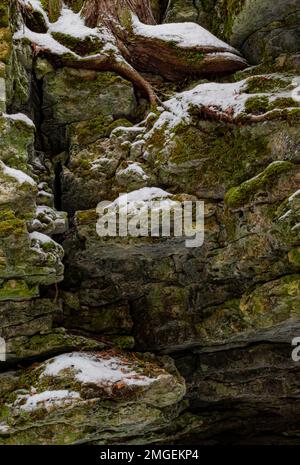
x=108 y=397
x=260 y=29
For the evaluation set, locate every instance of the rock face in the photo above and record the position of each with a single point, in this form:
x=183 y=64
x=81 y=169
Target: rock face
x=106 y=398
x=140 y=339
x=70 y=93
x=262 y=29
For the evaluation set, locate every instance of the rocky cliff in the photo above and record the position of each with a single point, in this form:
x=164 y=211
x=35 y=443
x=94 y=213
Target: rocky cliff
x=142 y=340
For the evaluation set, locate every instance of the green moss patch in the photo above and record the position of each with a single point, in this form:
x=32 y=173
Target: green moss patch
x=4 y=13
x=17 y=290
x=35 y=21
x=75 y=5
x=53 y=8
x=261 y=84
x=88 y=46
x=210 y=155
x=12 y=227
x=260 y=104
x=5 y=44
x=87 y=132
x=257 y=105
x=243 y=194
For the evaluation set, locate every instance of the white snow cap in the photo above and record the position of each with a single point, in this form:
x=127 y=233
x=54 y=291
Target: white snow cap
x=43 y=238
x=18 y=175
x=73 y=24
x=20 y=117
x=97 y=369
x=45 y=41
x=145 y=194
x=69 y=23
x=46 y=399
x=135 y=168
x=185 y=35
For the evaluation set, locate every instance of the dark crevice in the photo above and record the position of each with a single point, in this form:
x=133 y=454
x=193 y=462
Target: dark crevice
x=37 y=90
x=58 y=169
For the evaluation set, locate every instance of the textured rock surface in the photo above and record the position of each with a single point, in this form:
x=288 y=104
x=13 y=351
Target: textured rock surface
x=91 y=398
x=69 y=94
x=72 y=136
x=262 y=29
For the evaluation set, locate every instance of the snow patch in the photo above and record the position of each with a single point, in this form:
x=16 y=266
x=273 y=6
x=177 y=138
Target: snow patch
x=228 y=98
x=139 y=202
x=294 y=196
x=46 y=217
x=134 y=168
x=21 y=117
x=97 y=369
x=42 y=238
x=145 y=194
x=37 y=6
x=46 y=399
x=39 y=239
x=72 y=24
x=18 y=175
x=44 y=41
x=4 y=428
x=186 y=35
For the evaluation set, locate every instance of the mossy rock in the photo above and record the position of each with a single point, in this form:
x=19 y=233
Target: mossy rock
x=75 y=5
x=4 y=13
x=53 y=8
x=262 y=30
x=18 y=290
x=209 y=157
x=71 y=93
x=12 y=227
x=257 y=105
x=16 y=142
x=91 y=45
x=5 y=44
x=261 y=104
x=89 y=410
x=35 y=21
x=294 y=257
x=273 y=302
x=49 y=342
x=181 y=11
x=87 y=132
x=245 y=193
x=42 y=67
x=265 y=84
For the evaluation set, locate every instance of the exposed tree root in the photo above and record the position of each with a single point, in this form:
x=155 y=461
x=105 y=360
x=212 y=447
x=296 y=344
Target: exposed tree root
x=120 y=67
x=134 y=53
x=228 y=116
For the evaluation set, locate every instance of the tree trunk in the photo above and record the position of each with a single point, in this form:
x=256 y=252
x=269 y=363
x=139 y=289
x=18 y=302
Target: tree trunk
x=139 y=45
x=152 y=54
x=116 y=12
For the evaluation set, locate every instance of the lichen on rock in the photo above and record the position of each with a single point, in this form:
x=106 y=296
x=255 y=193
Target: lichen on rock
x=104 y=98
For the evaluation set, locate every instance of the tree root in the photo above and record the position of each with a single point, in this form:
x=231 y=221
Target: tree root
x=137 y=79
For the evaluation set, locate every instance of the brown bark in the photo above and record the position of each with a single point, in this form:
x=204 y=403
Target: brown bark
x=120 y=67
x=113 y=15
x=107 y=12
x=137 y=53
x=152 y=55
